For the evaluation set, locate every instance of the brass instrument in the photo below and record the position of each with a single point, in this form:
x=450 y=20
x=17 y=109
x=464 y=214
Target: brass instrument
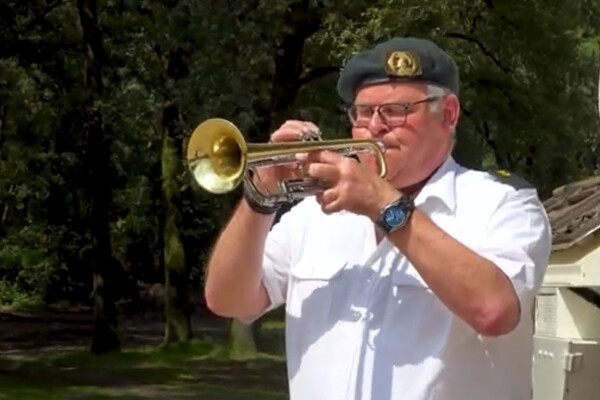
x=220 y=159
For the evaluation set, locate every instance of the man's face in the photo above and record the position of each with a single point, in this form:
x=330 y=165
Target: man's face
x=417 y=140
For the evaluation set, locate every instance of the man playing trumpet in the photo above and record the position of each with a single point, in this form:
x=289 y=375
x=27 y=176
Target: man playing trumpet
x=418 y=286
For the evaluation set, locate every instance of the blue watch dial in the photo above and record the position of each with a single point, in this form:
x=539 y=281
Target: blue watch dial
x=394 y=216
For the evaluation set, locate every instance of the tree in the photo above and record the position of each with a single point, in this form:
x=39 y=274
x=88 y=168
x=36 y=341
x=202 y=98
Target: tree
x=104 y=267
x=177 y=283
x=528 y=70
x=523 y=64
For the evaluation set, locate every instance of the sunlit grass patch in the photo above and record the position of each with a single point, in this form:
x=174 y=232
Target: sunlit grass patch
x=180 y=371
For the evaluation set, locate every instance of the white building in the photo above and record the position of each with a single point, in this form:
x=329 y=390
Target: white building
x=567 y=314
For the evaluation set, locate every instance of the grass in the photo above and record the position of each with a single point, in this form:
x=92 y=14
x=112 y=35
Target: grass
x=197 y=370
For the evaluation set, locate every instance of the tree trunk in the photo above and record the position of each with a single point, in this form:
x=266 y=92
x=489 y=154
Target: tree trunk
x=177 y=283
x=243 y=344
x=97 y=157
x=2 y=119
x=288 y=77
x=104 y=267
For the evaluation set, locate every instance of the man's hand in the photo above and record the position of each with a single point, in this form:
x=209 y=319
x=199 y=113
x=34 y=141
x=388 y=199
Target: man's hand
x=350 y=186
x=290 y=131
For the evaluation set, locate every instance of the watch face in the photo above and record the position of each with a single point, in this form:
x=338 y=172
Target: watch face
x=394 y=216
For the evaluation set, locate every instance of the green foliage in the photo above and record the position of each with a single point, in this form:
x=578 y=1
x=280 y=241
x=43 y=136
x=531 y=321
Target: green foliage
x=31 y=267
x=12 y=295
x=529 y=78
x=529 y=104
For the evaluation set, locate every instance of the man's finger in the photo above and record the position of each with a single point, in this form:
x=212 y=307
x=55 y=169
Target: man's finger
x=320 y=156
x=331 y=207
x=323 y=172
x=329 y=157
x=300 y=129
x=304 y=126
x=298 y=124
x=328 y=196
x=287 y=134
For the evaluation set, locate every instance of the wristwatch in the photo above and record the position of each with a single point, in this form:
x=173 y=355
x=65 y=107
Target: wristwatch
x=396 y=214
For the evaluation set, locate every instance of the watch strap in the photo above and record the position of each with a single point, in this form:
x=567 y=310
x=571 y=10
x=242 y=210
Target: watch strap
x=251 y=198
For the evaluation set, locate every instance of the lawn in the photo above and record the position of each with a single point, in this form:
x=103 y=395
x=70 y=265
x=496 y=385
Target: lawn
x=197 y=370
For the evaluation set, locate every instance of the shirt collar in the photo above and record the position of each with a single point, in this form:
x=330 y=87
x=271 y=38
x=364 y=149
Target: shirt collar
x=441 y=186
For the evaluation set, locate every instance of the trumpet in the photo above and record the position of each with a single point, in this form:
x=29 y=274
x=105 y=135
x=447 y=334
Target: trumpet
x=220 y=159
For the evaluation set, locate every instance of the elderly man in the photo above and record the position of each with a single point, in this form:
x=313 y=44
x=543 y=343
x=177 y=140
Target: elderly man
x=418 y=286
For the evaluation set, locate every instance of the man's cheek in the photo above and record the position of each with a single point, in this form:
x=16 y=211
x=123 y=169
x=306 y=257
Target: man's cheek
x=395 y=158
x=360 y=134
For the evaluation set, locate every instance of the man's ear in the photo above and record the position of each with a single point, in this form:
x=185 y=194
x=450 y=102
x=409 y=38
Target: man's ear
x=451 y=111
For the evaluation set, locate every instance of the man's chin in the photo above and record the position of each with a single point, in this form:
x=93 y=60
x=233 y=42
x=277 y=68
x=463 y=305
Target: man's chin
x=395 y=169
x=395 y=160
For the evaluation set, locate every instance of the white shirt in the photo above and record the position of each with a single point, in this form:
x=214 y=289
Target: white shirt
x=362 y=324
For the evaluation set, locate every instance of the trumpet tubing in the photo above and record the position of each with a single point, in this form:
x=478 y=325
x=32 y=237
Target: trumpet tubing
x=220 y=159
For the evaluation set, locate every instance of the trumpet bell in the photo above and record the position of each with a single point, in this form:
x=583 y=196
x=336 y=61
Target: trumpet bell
x=216 y=155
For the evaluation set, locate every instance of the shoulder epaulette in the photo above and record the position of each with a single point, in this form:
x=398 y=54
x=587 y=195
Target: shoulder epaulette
x=508 y=178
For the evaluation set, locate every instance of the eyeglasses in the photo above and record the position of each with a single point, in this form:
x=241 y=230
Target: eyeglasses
x=392 y=114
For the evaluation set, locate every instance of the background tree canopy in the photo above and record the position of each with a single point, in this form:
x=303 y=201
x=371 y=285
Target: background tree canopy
x=136 y=77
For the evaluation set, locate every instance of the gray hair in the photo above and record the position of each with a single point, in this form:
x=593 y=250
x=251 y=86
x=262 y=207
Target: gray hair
x=436 y=91
x=435 y=106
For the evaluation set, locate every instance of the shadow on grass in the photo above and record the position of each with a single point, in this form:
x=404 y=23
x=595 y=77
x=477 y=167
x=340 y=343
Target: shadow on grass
x=193 y=370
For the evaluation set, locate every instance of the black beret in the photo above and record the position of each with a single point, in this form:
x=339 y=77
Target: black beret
x=398 y=59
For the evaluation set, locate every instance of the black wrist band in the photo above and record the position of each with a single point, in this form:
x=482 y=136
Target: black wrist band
x=255 y=206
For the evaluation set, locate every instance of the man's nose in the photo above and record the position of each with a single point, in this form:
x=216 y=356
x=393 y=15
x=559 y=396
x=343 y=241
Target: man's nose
x=376 y=125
